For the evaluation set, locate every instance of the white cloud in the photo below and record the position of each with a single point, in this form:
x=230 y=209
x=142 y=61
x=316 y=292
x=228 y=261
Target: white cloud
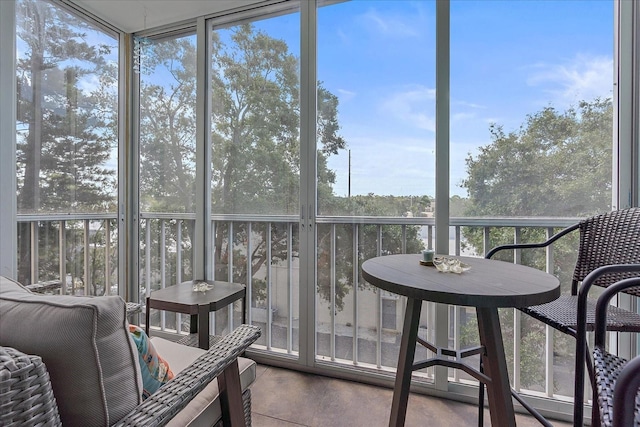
x=585 y=77
x=345 y=95
x=458 y=117
x=393 y=26
x=414 y=106
x=469 y=104
x=346 y=40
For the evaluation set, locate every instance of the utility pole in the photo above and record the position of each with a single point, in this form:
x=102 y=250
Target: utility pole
x=349 y=184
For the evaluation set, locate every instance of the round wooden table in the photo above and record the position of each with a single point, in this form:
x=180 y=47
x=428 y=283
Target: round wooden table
x=488 y=285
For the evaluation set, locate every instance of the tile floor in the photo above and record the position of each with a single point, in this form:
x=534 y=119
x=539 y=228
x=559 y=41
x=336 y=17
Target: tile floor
x=286 y=398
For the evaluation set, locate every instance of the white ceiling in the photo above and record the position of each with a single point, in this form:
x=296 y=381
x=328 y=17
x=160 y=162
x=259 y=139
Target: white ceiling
x=129 y=15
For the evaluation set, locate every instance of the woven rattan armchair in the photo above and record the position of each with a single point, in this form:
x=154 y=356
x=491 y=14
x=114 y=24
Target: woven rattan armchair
x=608 y=239
x=616 y=381
x=26 y=398
x=56 y=286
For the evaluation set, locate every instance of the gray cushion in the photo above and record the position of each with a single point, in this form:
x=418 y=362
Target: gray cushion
x=85 y=345
x=204 y=410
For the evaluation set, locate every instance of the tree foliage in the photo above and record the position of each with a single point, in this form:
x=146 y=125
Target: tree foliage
x=557 y=164
x=66 y=124
x=168 y=127
x=255 y=143
x=65 y=132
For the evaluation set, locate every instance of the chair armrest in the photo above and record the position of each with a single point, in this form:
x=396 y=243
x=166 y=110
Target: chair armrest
x=133 y=308
x=581 y=320
x=173 y=396
x=42 y=287
x=26 y=395
x=544 y=244
x=625 y=392
x=603 y=303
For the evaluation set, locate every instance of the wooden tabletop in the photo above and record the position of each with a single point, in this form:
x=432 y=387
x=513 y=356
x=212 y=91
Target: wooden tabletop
x=489 y=283
x=222 y=294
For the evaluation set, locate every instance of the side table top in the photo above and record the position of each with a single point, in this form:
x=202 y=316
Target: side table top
x=489 y=283
x=222 y=294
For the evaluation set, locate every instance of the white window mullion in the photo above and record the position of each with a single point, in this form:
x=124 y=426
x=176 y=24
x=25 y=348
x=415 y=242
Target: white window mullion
x=129 y=177
x=308 y=82
x=626 y=101
x=442 y=169
x=201 y=245
x=626 y=116
x=8 y=116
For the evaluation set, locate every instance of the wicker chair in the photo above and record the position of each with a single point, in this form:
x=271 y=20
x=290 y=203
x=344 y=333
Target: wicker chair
x=26 y=398
x=607 y=239
x=56 y=285
x=616 y=380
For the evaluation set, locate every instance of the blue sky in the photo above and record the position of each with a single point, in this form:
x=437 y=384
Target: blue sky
x=508 y=59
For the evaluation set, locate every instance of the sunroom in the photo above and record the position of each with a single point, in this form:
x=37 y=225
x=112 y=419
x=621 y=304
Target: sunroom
x=281 y=143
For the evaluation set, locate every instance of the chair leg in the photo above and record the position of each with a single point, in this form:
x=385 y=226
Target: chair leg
x=481 y=398
x=578 y=400
x=595 y=408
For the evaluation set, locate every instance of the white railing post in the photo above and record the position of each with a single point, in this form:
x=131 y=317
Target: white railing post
x=62 y=255
x=87 y=268
x=332 y=281
x=269 y=285
x=356 y=282
x=548 y=330
x=517 y=318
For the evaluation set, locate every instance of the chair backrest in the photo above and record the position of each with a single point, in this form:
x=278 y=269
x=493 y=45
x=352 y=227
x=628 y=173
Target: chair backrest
x=610 y=238
x=86 y=346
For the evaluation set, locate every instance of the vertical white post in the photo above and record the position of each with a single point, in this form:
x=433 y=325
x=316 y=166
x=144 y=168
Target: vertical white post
x=626 y=102
x=626 y=129
x=128 y=177
x=308 y=81
x=442 y=126
x=202 y=245
x=442 y=168
x=8 y=207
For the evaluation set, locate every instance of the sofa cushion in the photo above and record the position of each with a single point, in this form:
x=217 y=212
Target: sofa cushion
x=204 y=409
x=85 y=345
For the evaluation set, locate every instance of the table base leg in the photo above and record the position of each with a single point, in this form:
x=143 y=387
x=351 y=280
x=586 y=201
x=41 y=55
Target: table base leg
x=495 y=367
x=231 y=396
x=203 y=327
x=405 y=363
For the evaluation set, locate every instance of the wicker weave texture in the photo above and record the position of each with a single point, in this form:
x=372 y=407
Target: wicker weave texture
x=610 y=238
x=133 y=308
x=26 y=396
x=608 y=367
x=561 y=314
x=607 y=239
x=172 y=397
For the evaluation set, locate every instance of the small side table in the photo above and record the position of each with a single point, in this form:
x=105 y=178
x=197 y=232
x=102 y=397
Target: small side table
x=182 y=299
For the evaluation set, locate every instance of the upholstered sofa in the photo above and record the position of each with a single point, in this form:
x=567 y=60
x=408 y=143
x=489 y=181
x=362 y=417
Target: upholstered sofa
x=82 y=344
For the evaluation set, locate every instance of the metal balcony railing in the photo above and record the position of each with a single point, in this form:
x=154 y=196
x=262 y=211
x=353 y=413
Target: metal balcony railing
x=356 y=325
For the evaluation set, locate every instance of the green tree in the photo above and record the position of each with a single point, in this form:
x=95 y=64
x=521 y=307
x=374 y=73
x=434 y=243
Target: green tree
x=558 y=163
x=65 y=131
x=256 y=145
x=388 y=239
x=255 y=139
x=167 y=122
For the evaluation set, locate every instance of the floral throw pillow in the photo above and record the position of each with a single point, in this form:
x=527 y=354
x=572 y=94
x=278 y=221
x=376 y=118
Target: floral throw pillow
x=155 y=370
